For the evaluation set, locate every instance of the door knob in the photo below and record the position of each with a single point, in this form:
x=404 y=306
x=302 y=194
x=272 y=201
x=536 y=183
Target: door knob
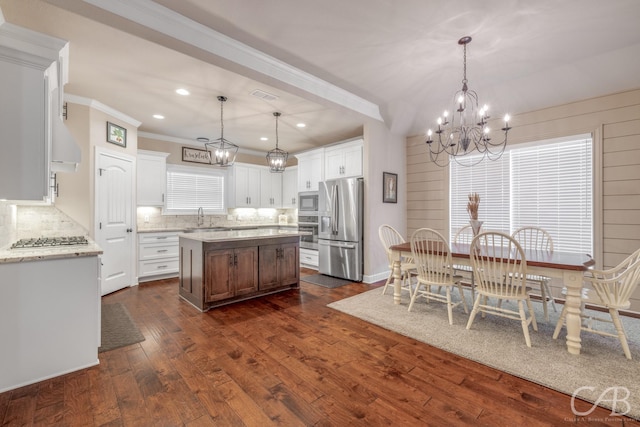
x=129 y=230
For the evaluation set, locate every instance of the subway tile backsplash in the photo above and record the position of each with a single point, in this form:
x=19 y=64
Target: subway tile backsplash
x=151 y=218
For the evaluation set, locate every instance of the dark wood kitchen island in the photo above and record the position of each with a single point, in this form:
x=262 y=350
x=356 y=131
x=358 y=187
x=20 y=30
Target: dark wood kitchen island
x=222 y=267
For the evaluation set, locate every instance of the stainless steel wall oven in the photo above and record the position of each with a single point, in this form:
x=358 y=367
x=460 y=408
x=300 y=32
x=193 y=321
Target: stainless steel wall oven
x=308 y=221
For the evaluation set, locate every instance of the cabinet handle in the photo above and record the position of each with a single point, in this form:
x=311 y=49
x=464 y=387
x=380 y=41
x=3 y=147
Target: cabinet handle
x=230 y=260
x=235 y=259
x=162 y=197
x=163 y=266
x=162 y=250
x=161 y=237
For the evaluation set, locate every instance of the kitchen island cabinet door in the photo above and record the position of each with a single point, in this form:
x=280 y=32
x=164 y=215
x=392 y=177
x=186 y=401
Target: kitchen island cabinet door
x=278 y=265
x=246 y=270
x=219 y=268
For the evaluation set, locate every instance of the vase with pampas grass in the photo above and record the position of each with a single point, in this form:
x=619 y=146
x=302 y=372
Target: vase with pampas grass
x=472 y=208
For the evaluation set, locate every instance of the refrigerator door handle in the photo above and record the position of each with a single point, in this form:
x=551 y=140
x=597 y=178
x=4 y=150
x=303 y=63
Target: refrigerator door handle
x=334 y=210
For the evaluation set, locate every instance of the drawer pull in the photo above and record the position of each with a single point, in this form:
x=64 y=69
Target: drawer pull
x=161 y=237
x=162 y=250
x=163 y=266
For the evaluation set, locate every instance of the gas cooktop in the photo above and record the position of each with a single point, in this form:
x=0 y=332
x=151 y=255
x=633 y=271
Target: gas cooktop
x=40 y=242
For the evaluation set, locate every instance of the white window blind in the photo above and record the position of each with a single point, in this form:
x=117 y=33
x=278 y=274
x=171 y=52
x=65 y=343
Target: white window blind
x=490 y=179
x=190 y=188
x=547 y=185
x=552 y=189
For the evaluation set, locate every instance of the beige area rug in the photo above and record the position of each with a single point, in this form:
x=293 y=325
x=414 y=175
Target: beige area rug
x=499 y=343
x=118 y=328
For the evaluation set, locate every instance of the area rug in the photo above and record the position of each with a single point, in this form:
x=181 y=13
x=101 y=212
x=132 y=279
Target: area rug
x=118 y=329
x=325 y=281
x=499 y=343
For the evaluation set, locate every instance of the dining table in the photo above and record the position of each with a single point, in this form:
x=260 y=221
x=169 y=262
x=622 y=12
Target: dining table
x=566 y=266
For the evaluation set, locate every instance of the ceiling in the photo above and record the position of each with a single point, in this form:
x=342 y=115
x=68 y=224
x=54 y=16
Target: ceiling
x=334 y=65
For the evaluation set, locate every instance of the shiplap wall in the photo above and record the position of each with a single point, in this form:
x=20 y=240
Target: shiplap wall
x=614 y=121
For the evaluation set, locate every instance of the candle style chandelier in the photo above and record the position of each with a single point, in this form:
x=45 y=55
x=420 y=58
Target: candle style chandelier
x=467 y=132
x=221 y=152
x=277 y=158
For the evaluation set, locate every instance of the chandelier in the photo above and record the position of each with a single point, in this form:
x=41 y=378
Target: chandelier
x=466 y=131
x=277 y=158
x=221 y=152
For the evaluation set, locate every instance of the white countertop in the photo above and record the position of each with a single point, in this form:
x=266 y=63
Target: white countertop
x=220 y=236
x=50 y=252
x=234 y=227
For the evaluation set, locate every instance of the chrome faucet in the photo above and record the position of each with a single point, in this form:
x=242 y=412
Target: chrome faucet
x=200 y=216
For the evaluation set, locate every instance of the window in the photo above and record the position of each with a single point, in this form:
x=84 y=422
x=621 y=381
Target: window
x=547 y=185
x=190 y=188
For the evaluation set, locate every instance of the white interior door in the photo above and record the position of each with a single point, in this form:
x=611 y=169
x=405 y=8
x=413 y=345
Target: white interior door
x=114 y=219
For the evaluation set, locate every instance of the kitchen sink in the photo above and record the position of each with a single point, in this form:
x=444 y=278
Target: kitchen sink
x=204 y=229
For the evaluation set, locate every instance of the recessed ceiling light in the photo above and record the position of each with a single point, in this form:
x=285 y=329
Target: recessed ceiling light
x=158 y=116
x=264 y=138
x=301 y=125
x=182 y=91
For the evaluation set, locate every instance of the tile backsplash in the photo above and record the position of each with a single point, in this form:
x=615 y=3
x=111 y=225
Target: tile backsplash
x=25 y=221
x=151 y=218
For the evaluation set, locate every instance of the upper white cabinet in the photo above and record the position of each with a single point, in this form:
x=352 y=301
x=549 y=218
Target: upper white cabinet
x=270 y=189
x=290 y=188
x=245 y=186
x=32 y=67
x=310 y=170
x=343 y=160
x=152 y=178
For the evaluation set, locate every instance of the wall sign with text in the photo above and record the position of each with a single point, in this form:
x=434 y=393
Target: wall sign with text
x=195 y=155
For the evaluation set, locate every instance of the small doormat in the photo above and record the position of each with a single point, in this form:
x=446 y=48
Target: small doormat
x=325 y=281
x=118 y=329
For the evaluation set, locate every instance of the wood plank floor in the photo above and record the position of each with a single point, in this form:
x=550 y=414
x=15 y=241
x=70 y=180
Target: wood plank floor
x=282 y=360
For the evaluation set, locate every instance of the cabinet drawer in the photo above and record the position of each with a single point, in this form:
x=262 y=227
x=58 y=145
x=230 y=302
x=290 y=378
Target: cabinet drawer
x=150 y=251
x=309 y=257
x=160 y=237
x=150 y=268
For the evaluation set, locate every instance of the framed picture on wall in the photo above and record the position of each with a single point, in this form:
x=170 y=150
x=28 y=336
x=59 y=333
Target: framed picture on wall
x=389 y=187
x=116 y=134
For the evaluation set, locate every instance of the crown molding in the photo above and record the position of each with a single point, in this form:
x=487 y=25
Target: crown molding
x=97 y=105
x=165 y=21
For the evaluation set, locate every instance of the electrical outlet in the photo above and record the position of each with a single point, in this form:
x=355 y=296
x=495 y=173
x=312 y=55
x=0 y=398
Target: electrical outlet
x=146 y=218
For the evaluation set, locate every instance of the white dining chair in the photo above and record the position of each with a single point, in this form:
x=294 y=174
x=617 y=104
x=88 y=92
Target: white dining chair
x=432 y=257
x=538 y=239
x=465 y=235
x=500 y=269
x=614 y=287
x=389 y=236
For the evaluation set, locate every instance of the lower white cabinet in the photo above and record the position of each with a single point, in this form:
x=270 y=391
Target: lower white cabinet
x=309 y=258
x=158 y=255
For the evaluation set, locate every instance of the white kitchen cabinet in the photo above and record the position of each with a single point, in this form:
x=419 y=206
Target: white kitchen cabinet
x=244 y=186
x=310 y=170
x=290 y=188
x=270 y=189
x=49 y=318
x=309 y=258
x=158 y=256
x=343 y=160
x=30 y=73
x=151 y=178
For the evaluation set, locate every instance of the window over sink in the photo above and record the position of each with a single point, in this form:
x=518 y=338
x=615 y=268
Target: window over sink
x=191 y=188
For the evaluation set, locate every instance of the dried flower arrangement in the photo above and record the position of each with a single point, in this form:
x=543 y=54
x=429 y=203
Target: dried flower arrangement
x=472 y=205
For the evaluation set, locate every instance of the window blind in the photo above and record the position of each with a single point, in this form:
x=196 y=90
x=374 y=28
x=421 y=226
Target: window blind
x=547 y=185
x=191 y=188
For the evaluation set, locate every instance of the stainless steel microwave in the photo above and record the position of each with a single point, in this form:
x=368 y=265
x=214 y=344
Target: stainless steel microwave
x=308 y=201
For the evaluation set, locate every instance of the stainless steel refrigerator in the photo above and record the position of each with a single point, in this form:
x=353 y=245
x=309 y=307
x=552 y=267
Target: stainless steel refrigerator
x=340 y=250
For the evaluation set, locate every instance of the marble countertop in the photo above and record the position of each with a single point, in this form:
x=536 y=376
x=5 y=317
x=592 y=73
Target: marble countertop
x=220 y=236
x=8 y=255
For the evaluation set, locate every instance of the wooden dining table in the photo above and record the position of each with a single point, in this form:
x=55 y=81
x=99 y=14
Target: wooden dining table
x=567 y=266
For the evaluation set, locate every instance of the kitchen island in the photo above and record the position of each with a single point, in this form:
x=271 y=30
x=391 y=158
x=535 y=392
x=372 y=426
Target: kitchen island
x=222 y=267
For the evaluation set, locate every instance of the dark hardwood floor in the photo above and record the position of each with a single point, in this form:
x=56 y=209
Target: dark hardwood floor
x=284 y=359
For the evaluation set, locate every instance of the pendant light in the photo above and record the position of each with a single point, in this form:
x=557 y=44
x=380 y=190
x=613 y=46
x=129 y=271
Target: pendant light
x=221 y=151
x=277 y=158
